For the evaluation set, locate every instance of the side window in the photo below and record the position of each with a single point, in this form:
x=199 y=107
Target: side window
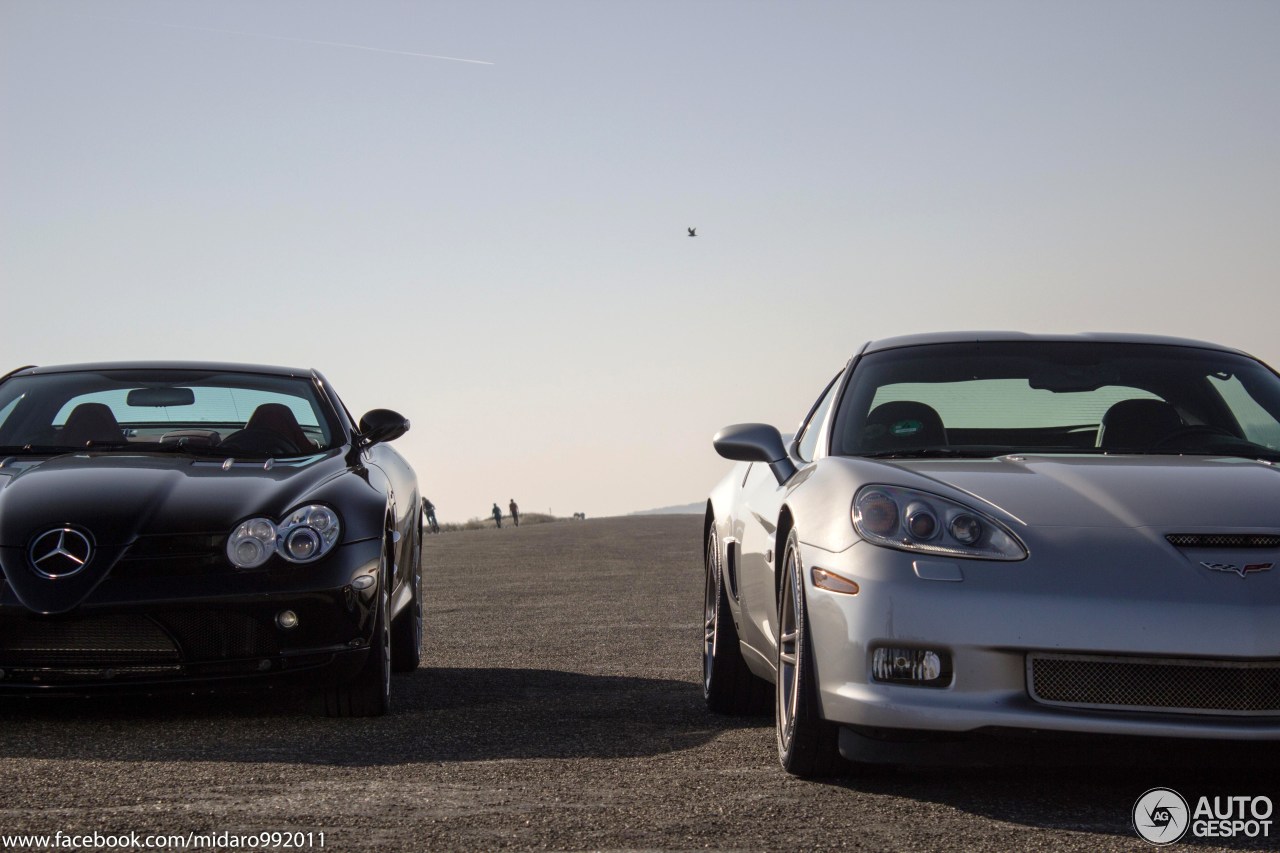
x=807 y=443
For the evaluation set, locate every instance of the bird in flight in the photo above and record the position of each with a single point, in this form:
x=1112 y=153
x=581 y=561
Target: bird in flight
x=693 y=232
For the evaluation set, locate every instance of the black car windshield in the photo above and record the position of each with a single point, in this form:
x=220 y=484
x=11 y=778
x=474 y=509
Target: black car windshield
x=203 y=412
x=988 y=399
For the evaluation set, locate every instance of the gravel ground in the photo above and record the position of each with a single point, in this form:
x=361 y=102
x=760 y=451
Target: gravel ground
x=558 y=707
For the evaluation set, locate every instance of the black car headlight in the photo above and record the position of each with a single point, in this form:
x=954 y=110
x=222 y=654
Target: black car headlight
x=306 y=534
x=912 y=520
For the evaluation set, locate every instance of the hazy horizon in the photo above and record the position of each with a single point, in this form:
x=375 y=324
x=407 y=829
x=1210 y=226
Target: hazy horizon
x=476 y=212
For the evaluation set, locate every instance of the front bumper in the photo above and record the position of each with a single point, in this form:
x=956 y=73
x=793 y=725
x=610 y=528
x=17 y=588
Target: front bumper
x=163 y=628
x=989 y=618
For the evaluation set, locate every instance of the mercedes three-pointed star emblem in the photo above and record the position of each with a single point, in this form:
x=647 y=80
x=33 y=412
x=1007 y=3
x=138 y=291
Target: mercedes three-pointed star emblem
x=60 y=552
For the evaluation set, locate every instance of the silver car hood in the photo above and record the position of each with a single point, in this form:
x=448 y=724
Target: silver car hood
x=1184 y=494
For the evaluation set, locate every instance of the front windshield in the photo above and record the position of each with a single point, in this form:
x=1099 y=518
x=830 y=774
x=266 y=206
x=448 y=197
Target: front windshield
x=988 y=399
x=165 y=410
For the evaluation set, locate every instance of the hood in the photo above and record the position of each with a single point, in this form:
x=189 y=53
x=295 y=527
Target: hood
x=118 y=498
x=108 y=501
x=1177 y=494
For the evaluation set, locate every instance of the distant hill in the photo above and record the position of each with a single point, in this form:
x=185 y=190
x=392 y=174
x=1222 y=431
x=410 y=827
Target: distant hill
x=683 y=509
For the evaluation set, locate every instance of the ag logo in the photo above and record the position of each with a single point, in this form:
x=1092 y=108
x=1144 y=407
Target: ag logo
x=1161 y=816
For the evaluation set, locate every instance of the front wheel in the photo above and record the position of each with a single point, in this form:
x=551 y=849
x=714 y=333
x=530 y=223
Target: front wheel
x=808 y=745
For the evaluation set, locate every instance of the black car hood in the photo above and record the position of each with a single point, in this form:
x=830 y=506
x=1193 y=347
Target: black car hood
x=114 y=499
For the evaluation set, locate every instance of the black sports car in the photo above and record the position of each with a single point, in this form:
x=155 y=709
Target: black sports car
x=200 y=526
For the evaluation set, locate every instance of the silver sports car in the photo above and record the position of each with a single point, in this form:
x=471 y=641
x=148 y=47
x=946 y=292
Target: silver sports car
x=989 y=535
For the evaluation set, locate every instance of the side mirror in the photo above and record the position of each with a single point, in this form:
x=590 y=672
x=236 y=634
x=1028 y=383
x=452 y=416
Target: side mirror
x=756 y=443
x=382 y=425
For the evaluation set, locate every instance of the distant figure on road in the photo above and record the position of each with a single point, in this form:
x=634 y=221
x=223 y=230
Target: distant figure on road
x=429 y=512
x=497 y=515
x=515 y=512
x=693 y=232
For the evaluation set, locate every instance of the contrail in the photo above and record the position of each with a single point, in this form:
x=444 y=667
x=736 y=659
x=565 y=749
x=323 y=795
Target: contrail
x=289 y=38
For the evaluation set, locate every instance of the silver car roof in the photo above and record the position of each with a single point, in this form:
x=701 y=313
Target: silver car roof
x=1084 y=337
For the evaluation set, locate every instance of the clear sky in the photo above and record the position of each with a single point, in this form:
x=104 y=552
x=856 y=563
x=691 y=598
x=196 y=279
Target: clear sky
x=499 y=250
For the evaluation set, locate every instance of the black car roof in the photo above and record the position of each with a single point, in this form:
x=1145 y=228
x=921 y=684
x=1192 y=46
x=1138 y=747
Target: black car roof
x=1085 y=337
x=205 y=366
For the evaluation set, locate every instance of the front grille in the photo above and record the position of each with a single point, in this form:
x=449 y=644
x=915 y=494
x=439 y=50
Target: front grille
x=110 y=641
x=66 y=675
x=124 y=641
x=1188 y=686
x=1224 y=540
x=173 y=556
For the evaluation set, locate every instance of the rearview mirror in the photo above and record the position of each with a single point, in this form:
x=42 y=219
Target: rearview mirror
x=160 y=397
x=381 y=425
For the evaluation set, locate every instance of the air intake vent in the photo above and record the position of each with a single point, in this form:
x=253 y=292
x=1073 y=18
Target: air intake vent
x=1188 y=686
x=1224 y=540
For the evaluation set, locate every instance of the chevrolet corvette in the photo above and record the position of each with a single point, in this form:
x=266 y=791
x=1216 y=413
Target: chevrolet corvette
x=980 y=538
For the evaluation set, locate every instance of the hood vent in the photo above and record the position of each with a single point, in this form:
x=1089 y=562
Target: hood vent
x=1224 y=540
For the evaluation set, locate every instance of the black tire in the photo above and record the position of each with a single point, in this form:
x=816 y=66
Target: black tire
x=728 y=686
x=808 y=745
x=406 y=629
x=368 y=694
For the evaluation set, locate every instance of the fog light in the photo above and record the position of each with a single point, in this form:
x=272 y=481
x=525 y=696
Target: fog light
x=287 y=619
x=362 y=582
x=911 y=666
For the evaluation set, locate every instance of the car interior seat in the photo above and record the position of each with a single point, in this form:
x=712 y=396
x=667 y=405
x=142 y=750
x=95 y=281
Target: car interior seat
x=1137 y=425
x=902 y=424
x=278 y=418
x=90 y=423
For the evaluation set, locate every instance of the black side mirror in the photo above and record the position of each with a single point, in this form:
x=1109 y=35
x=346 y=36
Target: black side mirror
x=756 y=443
x=382 y=425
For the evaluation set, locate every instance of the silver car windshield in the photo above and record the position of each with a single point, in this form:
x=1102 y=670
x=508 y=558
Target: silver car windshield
x=158 y=410
x=989 y=399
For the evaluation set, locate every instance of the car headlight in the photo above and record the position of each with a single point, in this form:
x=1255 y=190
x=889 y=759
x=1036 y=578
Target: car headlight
x=306 y=534
x=912 y=520
x=252 y=543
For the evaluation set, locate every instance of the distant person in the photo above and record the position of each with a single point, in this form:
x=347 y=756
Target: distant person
x=429 y=511
x=497 y=515
x=515 y=512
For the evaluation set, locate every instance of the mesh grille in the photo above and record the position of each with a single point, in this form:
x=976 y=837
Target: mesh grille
x=1162 y=684
x=140 y=641
x=218 y=635
x=96 y=641
x=1224 y=540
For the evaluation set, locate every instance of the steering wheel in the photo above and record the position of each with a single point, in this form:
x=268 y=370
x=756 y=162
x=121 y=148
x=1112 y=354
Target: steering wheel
x=1186 y=432
x=260 y=441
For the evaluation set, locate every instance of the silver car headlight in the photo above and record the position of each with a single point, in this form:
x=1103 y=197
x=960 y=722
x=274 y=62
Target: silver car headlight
x=252 y=543
x=306 y=534
x=911 y=520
